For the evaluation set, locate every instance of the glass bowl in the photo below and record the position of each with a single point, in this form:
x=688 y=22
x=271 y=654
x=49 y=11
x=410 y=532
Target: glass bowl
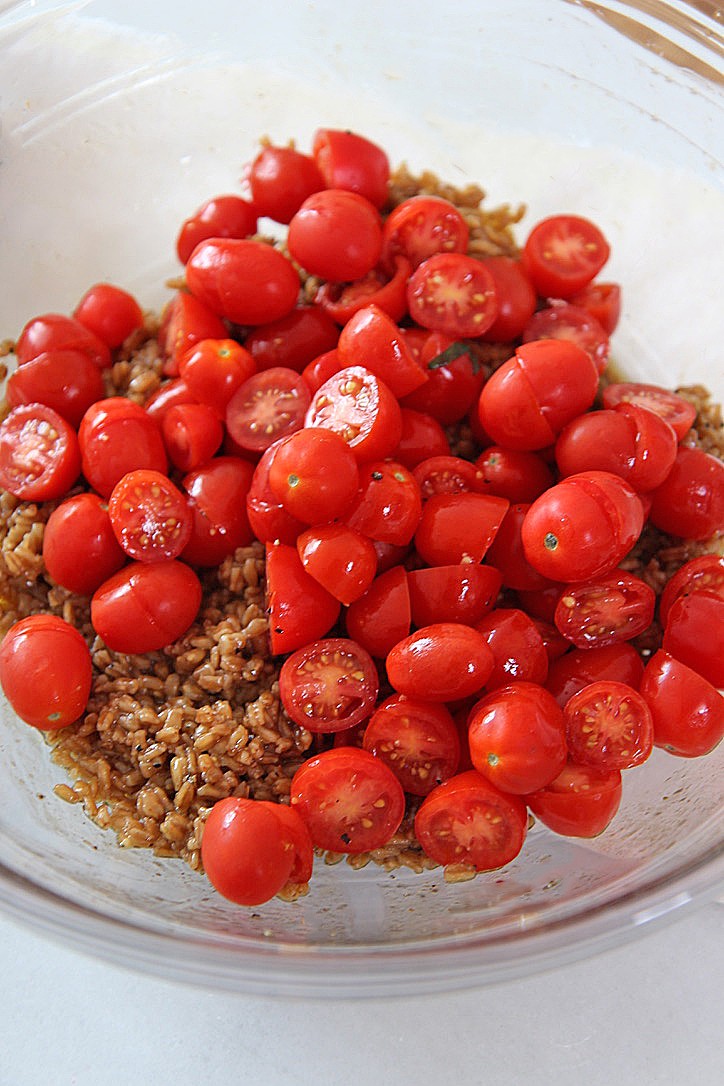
x=118 y=120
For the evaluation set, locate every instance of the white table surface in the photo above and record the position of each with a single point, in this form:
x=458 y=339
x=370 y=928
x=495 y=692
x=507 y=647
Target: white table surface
x=648 y=1013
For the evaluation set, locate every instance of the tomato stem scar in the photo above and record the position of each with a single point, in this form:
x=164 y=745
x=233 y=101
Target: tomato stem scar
x=550 y=542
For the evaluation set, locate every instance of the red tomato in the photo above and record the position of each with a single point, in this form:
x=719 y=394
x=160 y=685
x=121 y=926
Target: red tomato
x=336 y=235
x=110 y=313
x=580 y=802
x=350 y=801
x=381 y=616
x=441 y=662
x=170 y=394
x=219 y=217
x=117 y=436
x=216 y=497
x=267 y=406
x=458 y=593
x=243 y=280
x=417 y=739
x=517 y=737
x=675 y=410
x=616 y=606
x=421 y=227
x=608 y=726
x=80 y=550
x=582 y=527
x=186 y=321
x=149 y=516
x=359 y=406
x=564 y=321
x=370 y=338
x=192 y=433
x=702 y=574
x=267 y=517
x=341 y=301
x=281 y=178
x=39 y=453
x=690 y=501
x=628 y=440
x=519 y=654
x=515 y=474
x=299 y=609
x=45 y=671
x=447 y=475
x=467 y=820
x=619 y=662
x=293 y=341
x=297 y=841
x=694 y=634
x=146 y=606
x=387 y=505
x=347 y=160
x=458 y=527
x=66 y=380
x=554 y=643
x=314 y=475
x=453 y=380
x=213 y=369
x=516 y=296
x=343 y=561
x=329 y=685
x=320 y=369
x=507 y=554
x=422 y=437
x=602 y=301
x=562 y=254
x=541 y=602
x=687 y=711
x=245 y=851
x=54 y=332
x=452 y=293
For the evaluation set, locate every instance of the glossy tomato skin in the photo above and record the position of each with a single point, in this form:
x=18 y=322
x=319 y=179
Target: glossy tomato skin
x=458 y=527
x=694 y=634
x=442 y=662
x=314 y=475
x=185 y=321
x=213 y=369
x=360 y=407
x=223 y=216
x=39 y=453
x=467 y=820
x=146 y=606
x=297 y=840
x=514 y=474
x=563 y=254
x=336 y=235
x=320 y=369
x=117 y=436
x=690 y=501
x=674 y=409
x=422 y=436
x=580 y=802
x=110 y=312
x=342 y=560
x=340 y=301
x=350 y=161
x=45 y=671
x=172 y=393
x=516 y=296
x=388 y=504
x=80 y=550
x=66 y=380
x=452 y=386
x=293 y=341
x=571 y=322
x=506 y=552
x=421 y=226
x=519 y=654
x=705 y=573
x=602 y=301
x=619 y=662
x=56 y=332
x=517 y=737
x=687 y=710
x=192 y=433
x=281 y=178
x=447 y=475
x=245 y=852
x=299 y=608
x=628 y=440
x=268 y=406
x=350 y=801
x=463 y=592
x=454 y=294
x=616 y=606
x=381 y=616
x=268 y=519
x=608 y=726
x=242 y=280
x=371 y=338
x=216 y=494
x=417 y=739
x=329 y=685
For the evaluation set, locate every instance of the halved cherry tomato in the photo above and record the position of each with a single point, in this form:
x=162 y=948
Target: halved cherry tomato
x=293 y=341
x=184 y=322
x=216 y=495
x=421 y=226
x=360 y=407
x=245 y=851
x=458 y=527
x=515 y=474
x=608 y=726
x=554 y=643
x=39 y=453
x=192 y=433
x=347 y=160
x=56 y=332
x=447 y=475
x=694 y=634
x=387 y=505
x=690 y=501
x=381 y=616
x=456 y=593
x=422 y=437
x=507 y=554
x=516 y=296
x=563 y=253
x=299 y=609
x=341 y=301
x=149 y=516
x=417 y=739
x=603 y=301
x=267 y=406
x=343 y=561
x=45 y=671
x=580 y=802
x=110 y=313
x=616 y=606
x=280 y=179
x=66 y=380
x=268 y=518
x=117 y=436
x=675 y=410
x=628 y=440
x=452 y=293
x=442 y=662
x=687 y=710
x=243 y=280
x=350 y=801
x=619 y=662
x=80 y=550
x=372 y=339
x=565 y=321
x=704 y=573
x=329 y=685
x=336 y=235
x=320 y=369
x=314 y=475
x=519 y=654
x=298 y=842
x=453 y=383
x=213 y=369
x=170 y=394
x=226 y=216
x=146 y=605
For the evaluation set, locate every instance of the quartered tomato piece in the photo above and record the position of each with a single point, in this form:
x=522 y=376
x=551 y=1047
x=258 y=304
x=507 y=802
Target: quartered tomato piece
x=292 y=341
x=572 y=322
x=516 y=296
x=372 y=339
x=458 y=527
x=456 y=593
x=299 y=608
x=342 y=560
x=184 y=322
x=619 y=662
x=329 y=685
x=340 y=301
x=216 y=494
x=417 y=739
x=694 y=634
x=690 y=501
x=687 y=710
x=519 y=654
x=580 y=802
x=603 y=301
x=381 y=616
x=387 y=505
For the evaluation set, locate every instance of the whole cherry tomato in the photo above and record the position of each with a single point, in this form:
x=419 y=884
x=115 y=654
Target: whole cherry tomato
x=45 y=671
x=300 y=609
x=110 y=312
x=580 y=802
x=350 y=161
x=336 y=235
x=145 y=606
x=442 y=662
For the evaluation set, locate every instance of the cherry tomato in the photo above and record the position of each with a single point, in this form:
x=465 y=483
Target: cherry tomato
x=336 y=235
x=39 y=453
x=541 y=602
x=171 y=394
x=347 y=160
x=422 y=437
x=213 y=369
x=702 y=574
x=387 y=505
x=687 y=710
x=146 y=606
x=580 y=802
x=506 y=552
x=422 y=226
x=372 y=339
x=628 y=440
x=149 y=516
x=314 y=475
x=45 y=671
x=66 y=380
x=563 y=253
x=244 y=280
x=516 y=296
x=554 y=643
x=320 y=369
x=447 y=475
x=361 y=408
x=467 y=820
x=441 y=662
x=245 y=851
x=300 y=610
x=602 y=301
x=55 y=332
x=293 y=341
x=117 y=436
x=341 y=301
x=515 y=474
x=452 y=385
x=343 y=561
x=417 y=739
x=220 y=217
x=216 y=495
x=267 y=406
x=690 y=501
x=80 y=550
x=608 y=726
x=458 y=527
x=519 y=654
x=184 y=322
x=582 y=527
x=280 y=179
x=192 y=433
x=329 y=685
x=616 y=606
x=618 y=661
x=457 y=593
x=268 y=519
x=675 y=410
x=297 y=840
x=381 y=616
x=452 y=293
x=694 y=634
x=565 y=321
x=110 y=313
x=350 y=801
